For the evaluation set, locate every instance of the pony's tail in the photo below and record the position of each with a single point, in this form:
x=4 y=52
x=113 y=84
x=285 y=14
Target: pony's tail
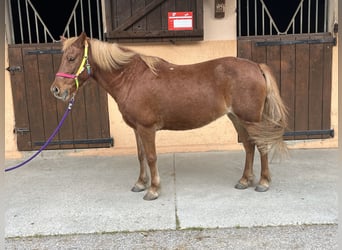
x=268 y=134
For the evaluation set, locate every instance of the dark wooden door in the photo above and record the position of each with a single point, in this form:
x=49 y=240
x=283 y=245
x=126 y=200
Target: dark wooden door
x=140 y=20
x=37 y=112
x=302 y=65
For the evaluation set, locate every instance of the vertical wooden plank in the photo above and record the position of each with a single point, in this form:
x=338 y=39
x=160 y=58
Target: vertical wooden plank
x=46 y=76
x=110 y=7
x=315 y=88
x=258 y=53
x=326 y=90
x=244 y=48
x=141 y=24
x=302 y=89
x=273 y=60
x=79 y=118
x=123 y=11
x=287 y=82
x=103 y=101
x=93 y=114
x=182 y=5
x=153 y=20
x=34 y=101
x=19 y=98
x=164 y=9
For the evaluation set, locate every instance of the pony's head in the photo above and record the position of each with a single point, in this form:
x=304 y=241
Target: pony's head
x=74 y=68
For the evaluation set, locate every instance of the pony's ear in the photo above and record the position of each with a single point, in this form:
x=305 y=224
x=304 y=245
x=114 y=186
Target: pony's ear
x=80 y=40
x=63 y=39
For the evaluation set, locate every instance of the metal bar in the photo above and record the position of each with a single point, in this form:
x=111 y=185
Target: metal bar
x=292 y=22
x=329 y=132
x=99 y=19
x=75 y=23
x=293 y=25
x=255 y=18
x=82 y=15
x=36 y=23
x=325 y=15
x=239 y=17
x=247 y=17
x=45 y=34
x=81 y=141
x=263 y=21
x=309 y=17
x=272 y=22
x=239 y=13
x=21 y=23
x=301 y=18
x=66 y=30
x=28 y=21
x=41 y=52
x=90 y=20
x=41 y=21
x=9 y=23
x=316 y=19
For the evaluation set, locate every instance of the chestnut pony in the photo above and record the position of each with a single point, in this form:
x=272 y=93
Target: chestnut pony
x=153 y=94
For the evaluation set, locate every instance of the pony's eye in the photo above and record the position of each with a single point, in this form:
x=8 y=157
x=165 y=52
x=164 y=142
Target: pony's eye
x=71 y=59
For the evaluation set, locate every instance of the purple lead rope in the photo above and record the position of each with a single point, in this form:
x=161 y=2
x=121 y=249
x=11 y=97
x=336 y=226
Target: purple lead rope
x=71 y=102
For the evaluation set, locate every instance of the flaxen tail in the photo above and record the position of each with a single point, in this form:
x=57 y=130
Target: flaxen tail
x=268 y=134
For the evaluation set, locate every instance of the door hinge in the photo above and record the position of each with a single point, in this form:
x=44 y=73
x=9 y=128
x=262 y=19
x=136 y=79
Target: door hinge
x=13 y=69
x=21 y=130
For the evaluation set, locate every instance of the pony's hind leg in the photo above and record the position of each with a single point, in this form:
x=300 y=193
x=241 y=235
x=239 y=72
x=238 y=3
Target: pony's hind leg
x=143 y=179
x=247 y=177
x=265 y=177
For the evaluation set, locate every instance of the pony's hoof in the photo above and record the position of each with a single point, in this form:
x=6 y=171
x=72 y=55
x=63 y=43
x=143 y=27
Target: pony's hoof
x=261 y=188
x=150 y=196
x=241 y=186
x=138 y=188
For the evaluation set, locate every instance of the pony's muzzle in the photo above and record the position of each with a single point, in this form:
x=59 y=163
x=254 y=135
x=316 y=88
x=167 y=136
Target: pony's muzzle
x=55 y=90
x=58 y=93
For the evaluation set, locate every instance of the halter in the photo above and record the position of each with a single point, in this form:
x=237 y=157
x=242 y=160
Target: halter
x=84 y=64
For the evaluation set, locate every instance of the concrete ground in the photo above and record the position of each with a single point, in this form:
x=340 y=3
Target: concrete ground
x=67 y=202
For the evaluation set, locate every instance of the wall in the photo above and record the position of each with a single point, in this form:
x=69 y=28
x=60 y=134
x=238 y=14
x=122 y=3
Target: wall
x=219 y=41
x=10 y=138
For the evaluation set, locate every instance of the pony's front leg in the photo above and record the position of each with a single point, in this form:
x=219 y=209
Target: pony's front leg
x=143 y=180
x=148 y=136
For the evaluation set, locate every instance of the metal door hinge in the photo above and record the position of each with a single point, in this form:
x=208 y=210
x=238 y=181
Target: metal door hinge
x=13 y=69
x=21 y=130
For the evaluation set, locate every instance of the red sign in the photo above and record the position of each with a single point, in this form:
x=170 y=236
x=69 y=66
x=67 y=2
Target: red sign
x=180 y=21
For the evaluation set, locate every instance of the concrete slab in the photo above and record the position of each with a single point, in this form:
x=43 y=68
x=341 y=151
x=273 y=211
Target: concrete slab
x=303 y=191
x=84 y=195
x=58 y=194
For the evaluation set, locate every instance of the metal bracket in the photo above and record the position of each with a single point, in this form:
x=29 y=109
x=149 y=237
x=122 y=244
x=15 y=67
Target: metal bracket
x=14 y=69
x=21 y=130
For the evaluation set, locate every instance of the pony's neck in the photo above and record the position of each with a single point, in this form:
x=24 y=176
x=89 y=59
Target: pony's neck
x=117 y=82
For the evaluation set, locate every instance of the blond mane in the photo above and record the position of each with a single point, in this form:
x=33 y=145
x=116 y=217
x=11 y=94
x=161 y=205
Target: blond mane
x=110 y=55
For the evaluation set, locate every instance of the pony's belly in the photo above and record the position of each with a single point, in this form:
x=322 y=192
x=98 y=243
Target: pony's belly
x=189 y=121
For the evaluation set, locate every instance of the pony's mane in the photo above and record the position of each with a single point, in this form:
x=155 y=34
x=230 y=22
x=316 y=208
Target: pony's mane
x=110 y=55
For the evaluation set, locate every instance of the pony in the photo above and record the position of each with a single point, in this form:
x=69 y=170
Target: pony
x=153 y=94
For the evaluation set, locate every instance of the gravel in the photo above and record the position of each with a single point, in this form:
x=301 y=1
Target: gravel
x=280 y=237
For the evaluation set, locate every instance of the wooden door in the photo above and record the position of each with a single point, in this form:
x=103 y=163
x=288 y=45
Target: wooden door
x=37 y=112
x=140 y=20
x=302 y=65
